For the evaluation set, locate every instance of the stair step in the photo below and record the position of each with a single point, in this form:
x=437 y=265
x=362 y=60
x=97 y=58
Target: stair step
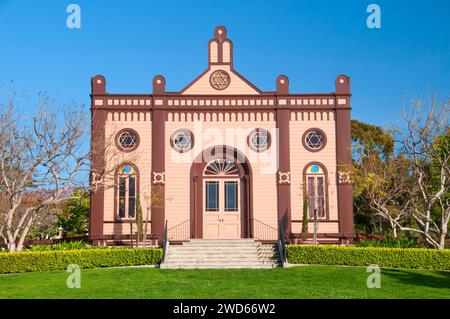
x=219 y=267
x=211 y=263
x=219 y=256
x=213 y=253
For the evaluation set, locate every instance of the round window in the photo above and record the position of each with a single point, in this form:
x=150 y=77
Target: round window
x=220 y=80
x=182 y=140
x=259 y=140
x=314 y=140
x=127 y=140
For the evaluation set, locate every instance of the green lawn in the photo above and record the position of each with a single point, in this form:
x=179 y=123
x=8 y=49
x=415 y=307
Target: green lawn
x=298 y=282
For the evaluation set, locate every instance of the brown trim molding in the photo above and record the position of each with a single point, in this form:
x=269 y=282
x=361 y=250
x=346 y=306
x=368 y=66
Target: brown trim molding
x=196 y=189
x=127 y=150
x=325 y=235
x=283 y=117
x=306 y=146
x=320 y=221
x=343 y=154
x=158 y=166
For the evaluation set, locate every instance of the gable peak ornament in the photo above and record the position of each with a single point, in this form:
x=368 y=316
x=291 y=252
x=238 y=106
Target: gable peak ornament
x=220 y=80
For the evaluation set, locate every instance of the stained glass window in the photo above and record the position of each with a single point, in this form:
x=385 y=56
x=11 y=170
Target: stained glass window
x=259 y=139
x=314 y=140
x=126 y=192
x=221 y=167
x=182 y=140
x=316 y=191
x=127 y=140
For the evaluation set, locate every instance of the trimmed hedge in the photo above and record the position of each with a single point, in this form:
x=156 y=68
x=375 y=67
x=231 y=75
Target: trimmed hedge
x=421 y=258
x=85 y=258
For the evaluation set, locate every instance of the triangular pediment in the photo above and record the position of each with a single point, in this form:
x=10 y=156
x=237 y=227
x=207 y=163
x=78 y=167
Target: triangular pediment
x=220 y=80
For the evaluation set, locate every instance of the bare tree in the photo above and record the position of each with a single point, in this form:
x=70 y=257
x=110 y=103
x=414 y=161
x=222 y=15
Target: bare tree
x=45 y=158
x=41 y=152
x=426 y=143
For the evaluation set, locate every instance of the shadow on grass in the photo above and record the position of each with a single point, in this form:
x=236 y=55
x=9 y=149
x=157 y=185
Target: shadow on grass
x=437 y=279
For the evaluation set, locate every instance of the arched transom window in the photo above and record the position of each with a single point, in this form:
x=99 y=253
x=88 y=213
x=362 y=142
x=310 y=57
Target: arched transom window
x=316 y=191
x=221 y=167
x=127 y=192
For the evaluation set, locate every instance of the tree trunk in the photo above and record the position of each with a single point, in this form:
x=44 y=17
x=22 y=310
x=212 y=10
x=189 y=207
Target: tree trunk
x=9 y=233
x=11 y=246
x=394 y=230
x=25 y=232
x=442 y=237
x=138 y=233
x=146 y=227
x=131 y=233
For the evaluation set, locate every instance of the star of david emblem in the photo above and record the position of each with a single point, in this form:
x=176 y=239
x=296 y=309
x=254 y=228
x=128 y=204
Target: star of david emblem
x=182 y=141
x=314 y=140
x=220 y=80
x=259 y=140
x=127 y=140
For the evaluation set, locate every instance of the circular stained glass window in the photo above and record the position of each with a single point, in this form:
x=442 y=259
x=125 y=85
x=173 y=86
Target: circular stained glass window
x=259 y=140
x=314 y=140
x=182 y=140
x=127 y=140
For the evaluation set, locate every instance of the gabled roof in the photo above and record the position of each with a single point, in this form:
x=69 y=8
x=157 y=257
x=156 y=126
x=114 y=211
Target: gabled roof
x=220 y=78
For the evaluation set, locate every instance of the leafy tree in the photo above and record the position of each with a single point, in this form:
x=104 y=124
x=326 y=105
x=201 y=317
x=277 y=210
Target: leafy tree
x=305 y=218
x=74 y=218
x=139 y=222
x=371 y=146
x=370 y=140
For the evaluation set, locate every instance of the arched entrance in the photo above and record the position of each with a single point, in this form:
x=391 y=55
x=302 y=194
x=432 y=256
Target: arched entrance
x=221 y=194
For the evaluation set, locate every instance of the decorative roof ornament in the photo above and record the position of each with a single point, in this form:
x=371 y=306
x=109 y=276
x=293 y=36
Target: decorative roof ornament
x=220 y=80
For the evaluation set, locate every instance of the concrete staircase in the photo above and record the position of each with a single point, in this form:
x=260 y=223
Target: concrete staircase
x=221 y=253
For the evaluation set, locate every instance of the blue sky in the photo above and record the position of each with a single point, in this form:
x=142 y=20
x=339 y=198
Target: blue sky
x=310 y=41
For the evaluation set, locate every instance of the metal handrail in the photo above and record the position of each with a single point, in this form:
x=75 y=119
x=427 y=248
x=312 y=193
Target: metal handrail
x=165 y=243
x=180 y=232
x=263 y=231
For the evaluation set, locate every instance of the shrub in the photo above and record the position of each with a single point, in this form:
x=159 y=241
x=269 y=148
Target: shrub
x=363 y=256
x=389 y=243
x=91 y=258
x=69 y=245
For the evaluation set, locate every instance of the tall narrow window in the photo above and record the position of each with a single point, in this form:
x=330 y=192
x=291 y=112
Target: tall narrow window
x=212 y=196
x=316 y=191
x=127 y=193
x=231 y=196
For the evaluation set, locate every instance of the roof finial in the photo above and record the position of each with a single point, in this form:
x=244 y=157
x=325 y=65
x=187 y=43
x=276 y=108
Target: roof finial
x=220 y=33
